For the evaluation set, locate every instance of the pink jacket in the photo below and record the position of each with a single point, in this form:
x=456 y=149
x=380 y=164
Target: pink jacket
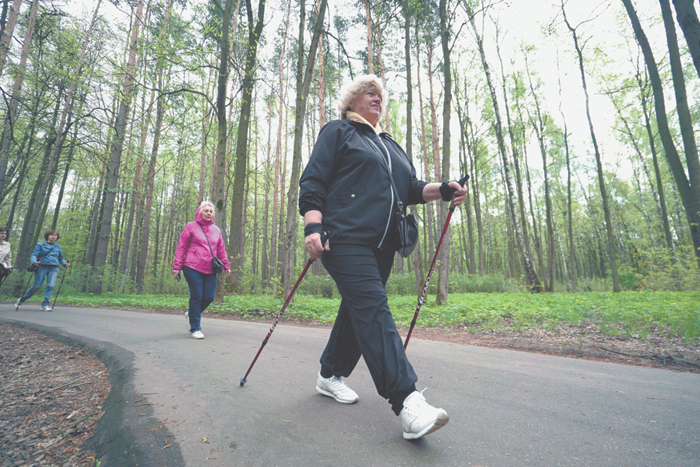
x=192 y=248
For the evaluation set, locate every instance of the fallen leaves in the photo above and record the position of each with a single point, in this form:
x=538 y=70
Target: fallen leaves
x=52 y=396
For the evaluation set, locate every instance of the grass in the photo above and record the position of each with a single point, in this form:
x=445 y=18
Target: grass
x=673 y=314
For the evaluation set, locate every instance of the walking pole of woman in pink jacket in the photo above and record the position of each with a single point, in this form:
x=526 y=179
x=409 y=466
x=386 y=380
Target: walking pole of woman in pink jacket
x=199 y=242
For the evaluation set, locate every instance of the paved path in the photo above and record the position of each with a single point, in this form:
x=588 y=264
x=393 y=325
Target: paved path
x=506 y=408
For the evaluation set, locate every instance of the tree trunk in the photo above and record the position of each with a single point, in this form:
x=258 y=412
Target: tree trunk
x=444 y=255
x=116 y=152
x=601 y=176
x=302 y=86
x=235 y=250
x=7 y=31
x=688 y=21
x=370 y=53
x=417 y=259
x=6 y=140
x=689 y=191
x=532 y=279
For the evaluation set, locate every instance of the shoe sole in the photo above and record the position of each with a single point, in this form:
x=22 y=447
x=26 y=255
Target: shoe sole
x=330 y=394
x=439 y=423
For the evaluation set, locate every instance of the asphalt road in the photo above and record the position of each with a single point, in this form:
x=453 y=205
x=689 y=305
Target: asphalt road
x=506 y=408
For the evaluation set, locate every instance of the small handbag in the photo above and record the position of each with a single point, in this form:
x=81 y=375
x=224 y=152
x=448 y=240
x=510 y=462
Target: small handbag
x=217 y=266
x=406 y=223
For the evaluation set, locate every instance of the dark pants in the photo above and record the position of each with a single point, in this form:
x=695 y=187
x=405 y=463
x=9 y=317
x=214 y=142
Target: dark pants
x=365 y=325
x=202 y=289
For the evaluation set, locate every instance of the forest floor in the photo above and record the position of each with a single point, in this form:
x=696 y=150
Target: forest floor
x=51 y=394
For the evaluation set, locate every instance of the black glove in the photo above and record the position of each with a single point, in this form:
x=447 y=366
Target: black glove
x=447 y=192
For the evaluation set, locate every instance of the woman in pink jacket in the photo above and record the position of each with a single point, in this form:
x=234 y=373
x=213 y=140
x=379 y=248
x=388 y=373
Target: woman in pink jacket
x=199 y=242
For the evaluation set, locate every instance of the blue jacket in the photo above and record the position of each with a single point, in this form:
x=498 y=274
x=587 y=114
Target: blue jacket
x=48 y=254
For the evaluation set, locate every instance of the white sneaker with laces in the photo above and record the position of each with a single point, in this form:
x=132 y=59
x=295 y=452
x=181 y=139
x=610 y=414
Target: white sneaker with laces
x=187 y=317
x=18 y=303
x=336 y=388
x=420 y=418
x=46 y=308
x=197 y=335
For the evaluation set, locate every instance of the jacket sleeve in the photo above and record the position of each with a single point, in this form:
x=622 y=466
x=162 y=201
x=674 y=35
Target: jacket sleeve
x=181 y=249
x=61 y=259
x=415 y=190
x=8 y=257
x=35 y=253
x=221 y=252
x=314 y=181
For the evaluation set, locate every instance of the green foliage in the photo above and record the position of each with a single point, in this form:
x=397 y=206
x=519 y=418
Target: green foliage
x=634 y=314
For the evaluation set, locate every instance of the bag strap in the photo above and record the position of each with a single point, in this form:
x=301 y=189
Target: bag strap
x=387 y=165
x=38 y=257
x=205 y=236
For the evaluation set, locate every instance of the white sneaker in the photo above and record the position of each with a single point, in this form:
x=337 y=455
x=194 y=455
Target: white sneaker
x=187 y=317
x=197 y=335
x=336 y=388
x=420 y=418
x=18 y=303
x=46 y=308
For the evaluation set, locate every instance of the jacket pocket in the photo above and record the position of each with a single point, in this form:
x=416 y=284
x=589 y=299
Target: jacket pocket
x=346 y=197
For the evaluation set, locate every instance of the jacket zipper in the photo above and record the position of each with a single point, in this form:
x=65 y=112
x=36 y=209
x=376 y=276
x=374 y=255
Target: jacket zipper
x=391 y=206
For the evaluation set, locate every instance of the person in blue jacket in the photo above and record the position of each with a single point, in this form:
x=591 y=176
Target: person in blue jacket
x=47 y=256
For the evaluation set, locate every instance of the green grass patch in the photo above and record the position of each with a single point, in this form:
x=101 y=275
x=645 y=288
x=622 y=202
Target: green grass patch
x=674 y=314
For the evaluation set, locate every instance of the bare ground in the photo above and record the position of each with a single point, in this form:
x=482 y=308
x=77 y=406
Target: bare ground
x=51 y=394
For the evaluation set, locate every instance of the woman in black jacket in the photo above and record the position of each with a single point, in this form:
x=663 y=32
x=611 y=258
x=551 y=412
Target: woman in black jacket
x=346 y=191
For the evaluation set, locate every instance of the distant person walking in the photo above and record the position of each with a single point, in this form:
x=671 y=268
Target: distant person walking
x=5 y=256
x=200 y=252
x=46 y=256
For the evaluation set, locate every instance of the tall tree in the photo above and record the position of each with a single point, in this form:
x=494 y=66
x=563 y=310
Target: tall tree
x=601 y=176
x=116 y=151
x=689 y=190
x=7 y=31
x=235 y=251
x=304 y=75
x=11 y=114
x=688 y=21
x=531 y=276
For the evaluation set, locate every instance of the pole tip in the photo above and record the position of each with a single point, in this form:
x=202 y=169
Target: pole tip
x=243 y=381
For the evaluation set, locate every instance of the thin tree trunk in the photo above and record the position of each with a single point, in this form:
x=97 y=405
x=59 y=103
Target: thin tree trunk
x=688 y=21
x=532 y=279
x=601 y=175
x=417 y=259
x=7 y=31
x=370 y=54
x=444 y=256
x=116 y=152
x=6 y=140
x=236 y=240
x=303 y=82
x=689 y=191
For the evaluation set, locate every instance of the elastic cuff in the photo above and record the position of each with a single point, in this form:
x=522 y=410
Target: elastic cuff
x=446 y=191
x=315 y=227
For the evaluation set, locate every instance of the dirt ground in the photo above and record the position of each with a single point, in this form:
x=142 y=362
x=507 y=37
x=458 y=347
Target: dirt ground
x=51 y=394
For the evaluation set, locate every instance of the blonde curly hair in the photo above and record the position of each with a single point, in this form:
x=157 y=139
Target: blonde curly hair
x=359 y=85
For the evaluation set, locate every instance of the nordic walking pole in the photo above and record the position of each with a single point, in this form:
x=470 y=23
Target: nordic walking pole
x=324 y=237
x=63 y=276
x=461 y=181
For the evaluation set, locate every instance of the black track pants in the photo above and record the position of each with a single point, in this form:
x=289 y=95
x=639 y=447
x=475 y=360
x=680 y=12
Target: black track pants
x=365 y=325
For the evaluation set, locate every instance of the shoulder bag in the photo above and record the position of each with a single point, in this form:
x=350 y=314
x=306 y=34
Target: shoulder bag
x=33 y=267
x=216 y=264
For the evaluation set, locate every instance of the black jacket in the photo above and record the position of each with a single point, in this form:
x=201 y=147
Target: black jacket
x=347 y=179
